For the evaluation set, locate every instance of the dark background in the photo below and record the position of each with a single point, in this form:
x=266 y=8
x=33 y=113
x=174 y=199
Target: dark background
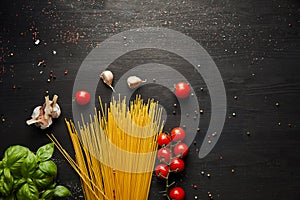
x=255 y=44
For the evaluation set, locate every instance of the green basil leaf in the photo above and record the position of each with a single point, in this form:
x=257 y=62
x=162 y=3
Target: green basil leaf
x=30 y=165
x=44 y=182
x=7 y=182
x=1 y=167
x=4 y=188
x=7 y=174
x=18 y=183
x=45 y=152
x=28 y=191
x=61 y=191
x=39 y=174
x=47 y=194
x=48 y=167
x=52 y=186
x=14 y=157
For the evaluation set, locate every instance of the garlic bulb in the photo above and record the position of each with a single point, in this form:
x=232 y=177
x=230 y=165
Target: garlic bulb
x=108 y=77
x=38 y=118
x=134 y=81
x=42 y=115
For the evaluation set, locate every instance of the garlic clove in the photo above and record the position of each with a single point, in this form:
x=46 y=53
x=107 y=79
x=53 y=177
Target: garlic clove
x=134 y=81
x=44 y=123
x=56 y=111
x=54 y=100
x=36 y=112
x=108 y=77
x=31 y=121
x=48 y=108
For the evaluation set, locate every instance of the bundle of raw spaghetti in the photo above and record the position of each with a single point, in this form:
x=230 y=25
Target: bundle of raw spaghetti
x=115 y=151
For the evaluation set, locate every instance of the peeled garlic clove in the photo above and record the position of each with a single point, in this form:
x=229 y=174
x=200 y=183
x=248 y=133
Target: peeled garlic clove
x=107 y=77
x=134 y=81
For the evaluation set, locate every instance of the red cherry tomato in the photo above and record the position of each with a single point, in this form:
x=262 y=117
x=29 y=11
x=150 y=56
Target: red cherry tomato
x=162 y=171
x=82 y=97
x=177 y=165
x=177 y=134
x=177 y=193
x=163 y=139
x=182 y=90
x=164 y=154
x=181 y=149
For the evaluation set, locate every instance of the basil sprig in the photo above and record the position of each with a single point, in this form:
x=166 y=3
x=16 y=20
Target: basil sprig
x=25 y=175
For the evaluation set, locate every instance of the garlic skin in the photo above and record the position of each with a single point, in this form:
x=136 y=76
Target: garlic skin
x=134 y=82
x=108 y=77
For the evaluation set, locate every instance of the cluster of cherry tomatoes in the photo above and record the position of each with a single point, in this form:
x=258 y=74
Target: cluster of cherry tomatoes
x=171 y=155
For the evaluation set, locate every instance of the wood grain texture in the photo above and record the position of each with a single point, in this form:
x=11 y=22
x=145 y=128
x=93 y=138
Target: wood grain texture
x=255 y=44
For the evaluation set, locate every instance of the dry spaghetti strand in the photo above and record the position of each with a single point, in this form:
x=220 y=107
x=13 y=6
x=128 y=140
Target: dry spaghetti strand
x=115 y=151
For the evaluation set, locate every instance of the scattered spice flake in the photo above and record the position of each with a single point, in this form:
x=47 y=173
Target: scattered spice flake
x=195 y=187
x=3 y=118
x=37 y=42
x=42 y=62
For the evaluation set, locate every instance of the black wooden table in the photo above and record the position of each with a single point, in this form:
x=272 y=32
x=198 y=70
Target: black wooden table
x=255 y=45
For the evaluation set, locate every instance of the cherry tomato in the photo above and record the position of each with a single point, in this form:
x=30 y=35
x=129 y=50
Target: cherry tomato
x=163 y=139
x=162 y=171
x=182 y=90
x=164 y=154
x=181 y=149
x=177 y=193
x=82 y=97
x=177 y=134
x=177 y=165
